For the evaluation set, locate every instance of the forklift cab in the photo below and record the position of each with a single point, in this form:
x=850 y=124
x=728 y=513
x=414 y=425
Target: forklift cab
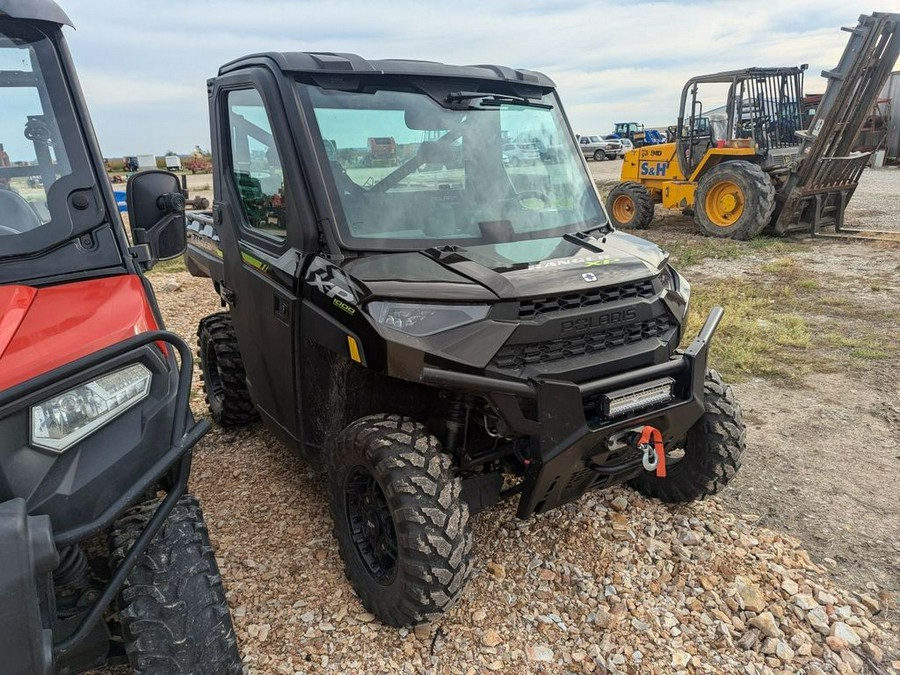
x=754 y=107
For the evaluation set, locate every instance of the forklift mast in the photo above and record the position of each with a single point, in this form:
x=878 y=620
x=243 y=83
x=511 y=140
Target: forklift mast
x=824 y=174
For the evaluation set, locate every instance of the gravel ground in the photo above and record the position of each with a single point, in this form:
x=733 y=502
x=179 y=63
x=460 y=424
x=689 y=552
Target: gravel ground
x=613 y=583
x=876 y=203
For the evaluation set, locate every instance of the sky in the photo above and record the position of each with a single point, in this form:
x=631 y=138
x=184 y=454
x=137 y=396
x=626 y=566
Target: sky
x=144 y=65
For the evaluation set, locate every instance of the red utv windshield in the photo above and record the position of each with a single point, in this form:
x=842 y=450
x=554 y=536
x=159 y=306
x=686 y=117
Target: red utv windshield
x=40 y=145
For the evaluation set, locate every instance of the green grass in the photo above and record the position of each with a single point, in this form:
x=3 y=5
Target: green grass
x=688 y=251
x=757 y=337
x=778 y=325
x=870 y=354
x=861 y=344
x=168 y=266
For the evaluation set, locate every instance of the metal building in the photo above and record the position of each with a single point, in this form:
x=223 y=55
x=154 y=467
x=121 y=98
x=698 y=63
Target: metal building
x=892 y=144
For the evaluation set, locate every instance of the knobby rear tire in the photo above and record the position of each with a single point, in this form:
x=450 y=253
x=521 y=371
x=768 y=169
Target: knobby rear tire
x=222 y=370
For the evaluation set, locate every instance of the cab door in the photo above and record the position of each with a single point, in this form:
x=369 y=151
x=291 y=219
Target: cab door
x=257 y=186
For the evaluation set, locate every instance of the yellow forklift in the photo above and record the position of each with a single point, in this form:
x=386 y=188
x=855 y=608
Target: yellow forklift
x=750 y=164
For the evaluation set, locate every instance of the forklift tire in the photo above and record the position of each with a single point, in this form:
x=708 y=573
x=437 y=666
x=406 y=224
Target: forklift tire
x=711 y=451
x=401 y=525
x=630 y=206
x=172 y=606
x=222 y=371
x=735 y=199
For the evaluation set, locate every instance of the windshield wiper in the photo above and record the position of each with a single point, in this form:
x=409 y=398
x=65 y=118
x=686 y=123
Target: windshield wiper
x=593 y=225
x=494 y=99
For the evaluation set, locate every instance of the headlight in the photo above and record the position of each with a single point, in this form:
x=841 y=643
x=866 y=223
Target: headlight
x=422 y=320
x=684 y=288
x=60 y=422
x=667 y=277
x=673 y=281
x=680 y=296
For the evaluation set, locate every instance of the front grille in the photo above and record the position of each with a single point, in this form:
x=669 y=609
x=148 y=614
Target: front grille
x=518 y=356
x=534 y=307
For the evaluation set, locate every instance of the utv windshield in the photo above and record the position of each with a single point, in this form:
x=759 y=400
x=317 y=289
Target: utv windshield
x=415 y=170
x=39 y=142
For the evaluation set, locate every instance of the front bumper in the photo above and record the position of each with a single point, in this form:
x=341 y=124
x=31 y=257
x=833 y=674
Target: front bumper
x=570 y=451
x=29 y=543
x=26 y=552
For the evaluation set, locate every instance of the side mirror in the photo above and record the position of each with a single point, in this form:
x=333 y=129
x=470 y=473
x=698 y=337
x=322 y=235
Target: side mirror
x=156 y=213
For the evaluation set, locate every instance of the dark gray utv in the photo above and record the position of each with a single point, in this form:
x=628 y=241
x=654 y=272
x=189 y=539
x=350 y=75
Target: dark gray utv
x=434 y=323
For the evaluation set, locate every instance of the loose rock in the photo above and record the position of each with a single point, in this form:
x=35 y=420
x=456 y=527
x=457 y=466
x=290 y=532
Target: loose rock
x=766 y=624
x=539 y=653
x=846 y=633
x=680 y=659
x=751 y=597
x=790 y=587
x=690 y=538
x=870 y=603
x=619 y=503
x=805 y=601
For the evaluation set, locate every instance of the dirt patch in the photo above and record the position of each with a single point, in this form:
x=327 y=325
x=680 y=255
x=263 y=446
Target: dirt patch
x=819 y=467
x=822 y=462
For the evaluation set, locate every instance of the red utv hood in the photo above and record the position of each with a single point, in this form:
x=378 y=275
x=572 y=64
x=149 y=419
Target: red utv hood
x=44 y=328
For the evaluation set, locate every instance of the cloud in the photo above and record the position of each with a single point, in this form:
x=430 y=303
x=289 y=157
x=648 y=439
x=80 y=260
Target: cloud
x=124 y=93
x=144 y=65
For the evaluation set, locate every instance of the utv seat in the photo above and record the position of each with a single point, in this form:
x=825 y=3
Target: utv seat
x=16 y=214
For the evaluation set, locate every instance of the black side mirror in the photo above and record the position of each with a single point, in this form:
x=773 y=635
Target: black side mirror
x=156 y=213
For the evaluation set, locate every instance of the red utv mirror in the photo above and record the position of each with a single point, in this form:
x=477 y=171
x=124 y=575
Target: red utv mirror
x=156 y=213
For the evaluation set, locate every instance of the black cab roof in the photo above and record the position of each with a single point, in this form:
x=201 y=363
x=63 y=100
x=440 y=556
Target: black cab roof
x=351 y=64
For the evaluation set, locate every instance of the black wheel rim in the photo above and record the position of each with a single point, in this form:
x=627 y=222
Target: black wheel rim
x=371 y=526
x=211 y=376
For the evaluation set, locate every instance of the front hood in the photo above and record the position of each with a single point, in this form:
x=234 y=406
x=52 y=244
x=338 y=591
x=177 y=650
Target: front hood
x=45 y=328
x=520 y=269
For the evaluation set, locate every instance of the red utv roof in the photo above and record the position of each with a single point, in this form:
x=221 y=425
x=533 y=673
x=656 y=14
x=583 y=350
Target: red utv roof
x=34 y=10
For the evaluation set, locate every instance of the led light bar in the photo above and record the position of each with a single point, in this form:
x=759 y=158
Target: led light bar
x=638 y=397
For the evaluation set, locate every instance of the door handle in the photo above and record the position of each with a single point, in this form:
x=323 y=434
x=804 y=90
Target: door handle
x=282 y=307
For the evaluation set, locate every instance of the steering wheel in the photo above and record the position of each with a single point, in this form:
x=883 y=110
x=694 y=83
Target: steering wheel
x=527 y=200
x=16 y=214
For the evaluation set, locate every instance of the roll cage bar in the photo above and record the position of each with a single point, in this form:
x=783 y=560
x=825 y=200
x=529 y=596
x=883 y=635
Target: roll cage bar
x=762 y=103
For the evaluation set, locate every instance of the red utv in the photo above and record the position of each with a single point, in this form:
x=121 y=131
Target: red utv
x=104 y=557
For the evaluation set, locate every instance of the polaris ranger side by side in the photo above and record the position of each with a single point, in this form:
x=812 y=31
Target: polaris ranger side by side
x=104 y=557
x=447 y=329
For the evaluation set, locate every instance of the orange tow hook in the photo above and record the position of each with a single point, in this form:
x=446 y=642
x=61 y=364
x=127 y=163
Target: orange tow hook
x=651 y=444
